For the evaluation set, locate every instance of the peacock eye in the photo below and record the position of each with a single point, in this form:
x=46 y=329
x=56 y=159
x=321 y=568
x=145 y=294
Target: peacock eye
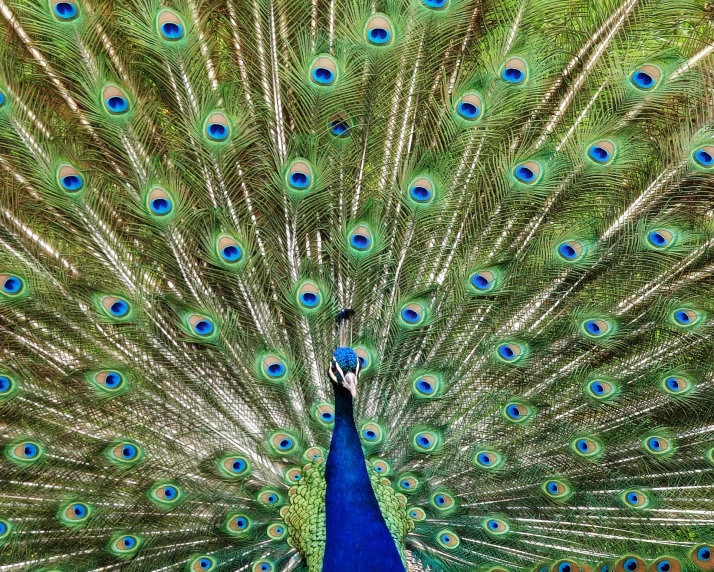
x=496 y=526
x=269 y=498
x=412 y=314
x=165 y=495
x=283 y=443
x=601 y=152
x=217 y=127
x=646 y=77
x=704 y=156
x=587 y=447
x=74 y=514
x=171 y=27
x=372 y=433
x=488 y=459
x=442 y=501
x=426 y=441
x=70 y=180
x=323 y=71
x=124 y=453
x=277 y=531
x=469 y=107
x=600 y=389
x=361 y=239
x=631 y=564
x=527 y=173
x=634 y=499
x=448 y=539
x=293 y=475
x=408 y=484
x=65 y=10
x=202 y=564
x=125 y=545
x=660 y=238
x=263 y=566
x=229 y=249
x=517 y=411
x=160 y=202
x=274 y=368
x=570 y=250
x=115 y=100
x=514 y=71
x=686 y=317
x=378 y=30
x=202 y=326
x=237 y=525
x=11 y=284
x=421 y=190
x=435 y=4
x=417 y=514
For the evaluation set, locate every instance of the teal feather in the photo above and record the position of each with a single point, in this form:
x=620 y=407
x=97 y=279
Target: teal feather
x=514 y=197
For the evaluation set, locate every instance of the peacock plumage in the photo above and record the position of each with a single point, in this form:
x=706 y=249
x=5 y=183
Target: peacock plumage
x=347 y=285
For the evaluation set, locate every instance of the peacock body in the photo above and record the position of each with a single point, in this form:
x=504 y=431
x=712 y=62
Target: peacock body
x=501 y=214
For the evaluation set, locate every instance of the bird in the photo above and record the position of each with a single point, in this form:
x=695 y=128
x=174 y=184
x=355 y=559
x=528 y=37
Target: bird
x=350 y=285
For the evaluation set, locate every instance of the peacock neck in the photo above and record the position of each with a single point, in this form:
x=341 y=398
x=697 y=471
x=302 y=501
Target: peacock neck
x=358 y=539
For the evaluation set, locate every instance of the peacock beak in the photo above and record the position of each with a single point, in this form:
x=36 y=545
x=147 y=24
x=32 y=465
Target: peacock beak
x=350 y=382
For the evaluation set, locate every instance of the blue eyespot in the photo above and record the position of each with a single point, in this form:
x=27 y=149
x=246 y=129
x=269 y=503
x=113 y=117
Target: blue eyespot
x=435 y=4
x=217 y=131
x=406 y=484
x=664 y=566
x=673 y=384
x=630 y=564
x=30 y=451
x=327 y=416
x=275 y=369
x=119 y=308
x=425 y=387
x=128 y=542
x=171 y=30
x=299 y=180
x=2 y=99
x=309 y=299
x=633 y=498
x=553 y=487
x=231 y=253
x=12 y=284
x=480 y=282
x=160 y=206
x=128 y=452
x=597 y=388
x=360 y=241
x=285 y=444
x=205 y=563
x=582 y=445
x=65 y=10
x=593 y=327
x=704 y=157
x=238 y=465
x=323 y=76
x=513 y=75
x=484 y=459
x=72 y=183
x=599 y=154
x=170 y=492
x=424 y=441
x=241 y=523
x=3 y=528
x=704 y=553
x=643 y=80
x=370 y=435
x=339 y=127
x=467 y=110
x=565 y=567
x=506 y=352
x=113 y=379
x=524 y=174
x=420 y=194
x=654 y=443
x=493 y=525
x=5 y=384
x=203 y=327
x=514 y=412
x=117 y=104
x=379 y=36
x=657 y=239
x=567 y=251
x=409 y=315
x=682 y=316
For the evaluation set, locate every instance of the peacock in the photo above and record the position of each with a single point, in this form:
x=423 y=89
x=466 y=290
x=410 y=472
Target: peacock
x=357 y=285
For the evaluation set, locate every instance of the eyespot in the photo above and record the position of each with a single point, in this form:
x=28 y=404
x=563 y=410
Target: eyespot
x=124 y=453
x=323 y=71
x=217 y=127
x=202 y=564
x=65 y=10
x=469 y=107
x=685 y=317
x=24 y=452
x=601 y=152
x=364 y=358
x=646 y=78
x=587 y=447
x=426 y=386
x=666 y=564
x=201 y=325
x=108 y=382
x=660 y=238
x=70 y=179
x=115 y=100
x=237 y=524
x=517 y=412
x=702 y=556
x=309 y=296
x=325 y=414
x=381 y=466
x=115 y=307
x=595 y=328
x=5 y=529
x=283 y=443
x=315 y=454
x=293 y=475
x=442 y=501
x=514 y=71
x=676 y=385
x=378 y=30
x=229 y=249
x=160 y=202
x=339 y=126
x=277 y=531
x=125 y=545
x=74 y=513
x=704 y=156
x=435 y=4
x=557 y=489
x=360 y=239
x=496 y=526
x=171 y=27
x=371 y=433
x=658 y=445
x=274 y=368
x=634 y=499
x=488 y=459
x=566 y=566
x=270 y=498
x=408 y=483
x=412 y=314
x=426 y=441
x=630 y=564
x=8 y=386
x=233 y=466
x=263 y=566
x=12 y=285
x=570 y=250
x=421 y=191
x=600 y=389
x=2 y=99
x=527 y=173
x=417 y=513
x=483 y=281
x=510 y=352
x=448 y=539
x=299 y=175
x=165 y=494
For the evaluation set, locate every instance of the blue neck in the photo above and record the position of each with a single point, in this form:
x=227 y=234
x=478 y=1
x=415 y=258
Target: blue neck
x=357 y=536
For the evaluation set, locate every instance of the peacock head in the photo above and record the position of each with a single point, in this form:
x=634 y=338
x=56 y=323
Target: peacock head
x=344 y=369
